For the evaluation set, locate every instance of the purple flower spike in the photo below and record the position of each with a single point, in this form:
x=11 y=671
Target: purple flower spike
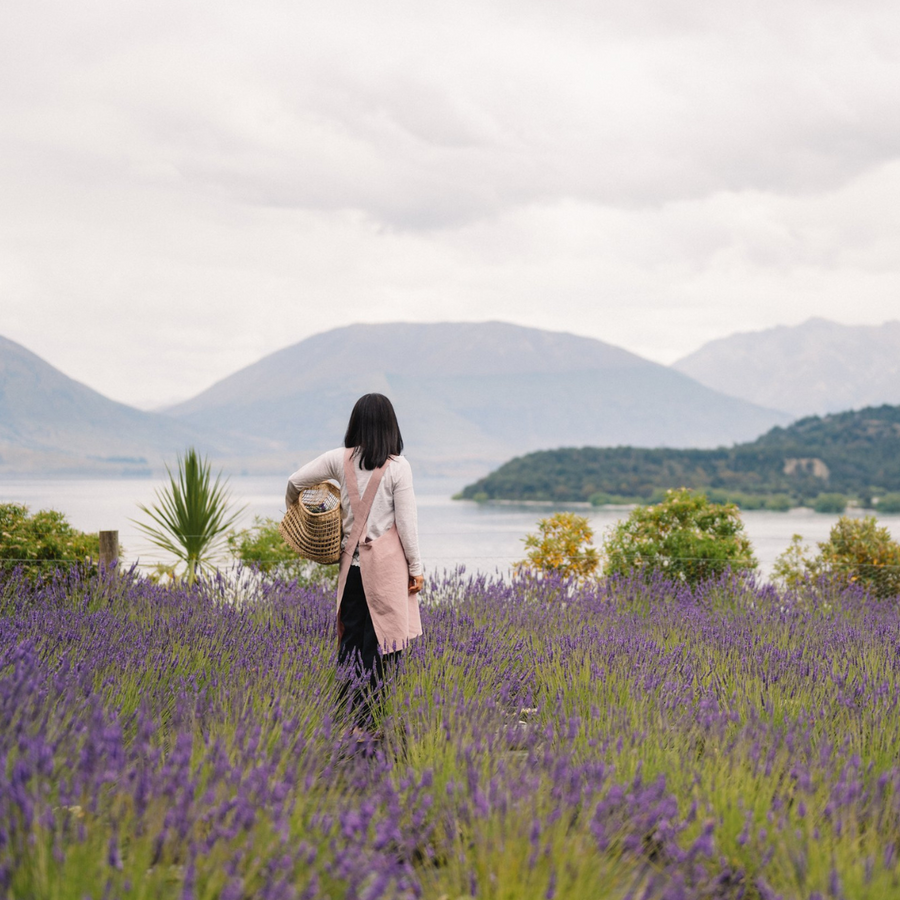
x=113 y=856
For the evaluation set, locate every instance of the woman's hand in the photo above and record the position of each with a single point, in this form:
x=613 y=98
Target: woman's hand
x=416 y=583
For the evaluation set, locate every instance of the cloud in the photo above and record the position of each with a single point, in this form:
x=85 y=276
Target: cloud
x=190 y=185
x=426 y=120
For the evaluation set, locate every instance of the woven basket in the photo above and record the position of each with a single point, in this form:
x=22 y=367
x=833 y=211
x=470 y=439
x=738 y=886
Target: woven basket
x=312 y=525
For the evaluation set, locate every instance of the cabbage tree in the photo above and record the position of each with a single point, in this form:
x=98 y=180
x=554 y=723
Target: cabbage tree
x=192 y=515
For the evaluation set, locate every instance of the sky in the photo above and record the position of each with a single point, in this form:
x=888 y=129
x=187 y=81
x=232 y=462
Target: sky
x=187 y=186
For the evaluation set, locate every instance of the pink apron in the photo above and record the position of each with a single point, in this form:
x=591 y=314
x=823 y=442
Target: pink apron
x=383 y=566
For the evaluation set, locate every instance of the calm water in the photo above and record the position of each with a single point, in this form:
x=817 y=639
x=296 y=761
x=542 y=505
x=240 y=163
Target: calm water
x=484 y=538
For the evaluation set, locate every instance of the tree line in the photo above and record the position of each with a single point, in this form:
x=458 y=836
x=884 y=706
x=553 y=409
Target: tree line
x=855 y=454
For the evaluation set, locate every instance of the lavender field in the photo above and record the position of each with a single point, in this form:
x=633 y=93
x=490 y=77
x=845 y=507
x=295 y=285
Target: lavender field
x=622 y=740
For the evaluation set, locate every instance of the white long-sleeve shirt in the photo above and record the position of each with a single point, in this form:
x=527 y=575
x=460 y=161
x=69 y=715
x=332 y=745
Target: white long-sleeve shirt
x=394 y=502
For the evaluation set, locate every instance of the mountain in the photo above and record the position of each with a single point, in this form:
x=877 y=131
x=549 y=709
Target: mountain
x=855 y=453
x=469 y=395
x=51 y=424
x=814 y=368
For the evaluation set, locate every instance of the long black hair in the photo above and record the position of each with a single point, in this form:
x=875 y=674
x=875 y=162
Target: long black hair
x=373 y=429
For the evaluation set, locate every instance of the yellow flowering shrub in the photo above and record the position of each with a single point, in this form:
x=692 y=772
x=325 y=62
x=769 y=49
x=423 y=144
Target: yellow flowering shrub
x=562 y=546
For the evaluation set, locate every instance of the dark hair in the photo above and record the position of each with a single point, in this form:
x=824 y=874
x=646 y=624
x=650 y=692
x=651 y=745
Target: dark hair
x=373 y=430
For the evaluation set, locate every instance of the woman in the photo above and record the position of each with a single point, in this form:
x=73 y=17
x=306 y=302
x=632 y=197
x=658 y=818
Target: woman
x=380 y=569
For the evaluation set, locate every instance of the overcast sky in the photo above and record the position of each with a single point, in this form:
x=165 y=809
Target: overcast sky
x=185 y=186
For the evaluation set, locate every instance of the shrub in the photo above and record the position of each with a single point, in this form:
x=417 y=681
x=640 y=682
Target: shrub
x=889 y=503
x=830 y=503
x=779 y=503
x=857 y=550
x=562 y=546
x=738 y=498
x=795 y=565
x=865 y=553
x=263 y=548
x=600 y=498
x=686 y=537
x=42 y=541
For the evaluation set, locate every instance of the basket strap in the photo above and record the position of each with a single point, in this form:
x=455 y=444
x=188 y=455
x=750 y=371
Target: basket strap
x=360 y=506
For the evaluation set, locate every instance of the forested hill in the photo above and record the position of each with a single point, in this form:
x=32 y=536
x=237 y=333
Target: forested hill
x=855 y=453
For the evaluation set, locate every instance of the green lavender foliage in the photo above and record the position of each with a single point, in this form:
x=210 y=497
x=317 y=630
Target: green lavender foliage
x=192 y=516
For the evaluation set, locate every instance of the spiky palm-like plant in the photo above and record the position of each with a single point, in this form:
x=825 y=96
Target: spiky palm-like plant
x=192 y=515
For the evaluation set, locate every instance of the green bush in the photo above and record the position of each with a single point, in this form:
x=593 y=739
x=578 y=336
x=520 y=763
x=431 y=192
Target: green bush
x=738 y=498
x=865 y=553
x=263 y=548
x=779 y=502
x=889 y=503
x=686 y=537
x=43 y=541
x=600 y=498
x=857 y=550
x=830 y=503
x=794 y=565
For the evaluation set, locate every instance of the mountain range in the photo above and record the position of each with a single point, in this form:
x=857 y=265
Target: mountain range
x=814 y=368
x=52 y=424
x=468 y=396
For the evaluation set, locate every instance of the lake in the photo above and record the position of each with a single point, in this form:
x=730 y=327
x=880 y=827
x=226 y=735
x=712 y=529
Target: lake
x=485 y=538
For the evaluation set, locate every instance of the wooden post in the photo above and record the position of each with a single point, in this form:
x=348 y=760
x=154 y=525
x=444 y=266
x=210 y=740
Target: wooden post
x=109 y=549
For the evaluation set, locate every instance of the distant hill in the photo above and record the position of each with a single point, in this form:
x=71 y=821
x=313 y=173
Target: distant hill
x=854 y=453
x=817 y=367
x=469 y=395
x=51 y=424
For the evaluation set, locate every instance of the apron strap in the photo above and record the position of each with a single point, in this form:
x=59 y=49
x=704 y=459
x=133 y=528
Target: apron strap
x=360 y=506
